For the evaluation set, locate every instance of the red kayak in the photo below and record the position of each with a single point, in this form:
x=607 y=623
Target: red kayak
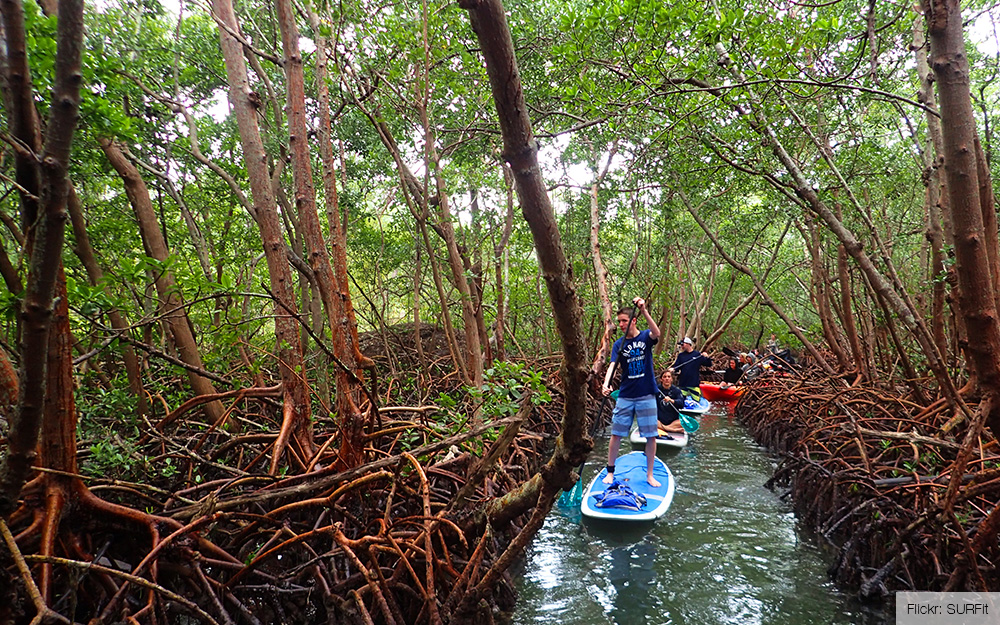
x=713 y=392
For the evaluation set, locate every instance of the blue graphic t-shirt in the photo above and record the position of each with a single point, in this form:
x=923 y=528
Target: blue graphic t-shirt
x=636 y=367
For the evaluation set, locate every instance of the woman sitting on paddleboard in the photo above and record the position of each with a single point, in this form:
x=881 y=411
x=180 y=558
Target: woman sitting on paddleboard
x=668 y=402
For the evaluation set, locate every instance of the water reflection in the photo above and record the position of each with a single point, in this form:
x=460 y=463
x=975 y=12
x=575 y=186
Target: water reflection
x=728 y=551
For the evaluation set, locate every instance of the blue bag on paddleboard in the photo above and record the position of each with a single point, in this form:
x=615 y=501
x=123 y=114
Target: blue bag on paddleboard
x=620 y=495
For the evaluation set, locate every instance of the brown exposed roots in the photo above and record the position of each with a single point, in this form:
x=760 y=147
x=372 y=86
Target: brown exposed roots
x=870 y=472
x=404 y=538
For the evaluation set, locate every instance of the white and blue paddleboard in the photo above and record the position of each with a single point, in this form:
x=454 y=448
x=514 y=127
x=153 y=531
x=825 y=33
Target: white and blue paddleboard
x=632 y=468
x=672 y=439
x=695 y=406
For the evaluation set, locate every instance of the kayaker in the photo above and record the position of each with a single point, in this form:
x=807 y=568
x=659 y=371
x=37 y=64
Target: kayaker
x=637 y=392
x=668 y=402
x=732 y=374
x=687 y=365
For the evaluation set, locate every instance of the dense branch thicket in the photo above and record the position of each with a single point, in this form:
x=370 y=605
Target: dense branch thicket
x=213 y=537
x=868 y=470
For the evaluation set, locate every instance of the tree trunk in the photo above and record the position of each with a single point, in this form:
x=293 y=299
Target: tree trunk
x=337 y=225
x=43 y=176
x=8 y=384
x=501 y=257
x=449 y=328
x=934 y=196
x=445 y=230
x=417 y=340
x=198 y=241
x=415 y=196
x=351 y=420
x=704 y=299
x=879 y=283
x=770 y=303
x=724 y=304
x=542 y=342
x=289 y=348
x=753 y=295
x=521 y=152
x=683 y=305
x=600 y=272
x=820 y=294
x=847 y=312
x=57 y=447
x=976 y=286
x=987 y=203
x=472 y=320
x=171 y=304
x=9 y=273
x=665 y=323
x=909 y=373
x=474 y=267
x=322 y=379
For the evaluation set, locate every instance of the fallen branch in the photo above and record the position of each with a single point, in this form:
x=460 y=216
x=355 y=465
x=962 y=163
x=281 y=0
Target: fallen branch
x=909 y=437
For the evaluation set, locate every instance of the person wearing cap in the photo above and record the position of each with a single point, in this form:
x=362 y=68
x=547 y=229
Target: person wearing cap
x=687 y=365
x=637 y=392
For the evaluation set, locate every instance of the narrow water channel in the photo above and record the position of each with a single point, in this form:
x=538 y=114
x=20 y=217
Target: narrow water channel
x=727 y=551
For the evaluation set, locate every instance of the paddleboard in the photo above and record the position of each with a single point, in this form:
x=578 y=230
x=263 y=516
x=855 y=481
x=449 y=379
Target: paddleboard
x=632 y=467
x=673 y=439
x=695 y=406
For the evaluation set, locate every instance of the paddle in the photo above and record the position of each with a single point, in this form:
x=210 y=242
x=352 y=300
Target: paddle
x=689 y=423
x=694 y=393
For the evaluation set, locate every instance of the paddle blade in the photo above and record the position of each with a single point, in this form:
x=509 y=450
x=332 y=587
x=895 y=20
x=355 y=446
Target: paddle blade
x=578 y=491
x=572 y=497
x=566 y=498
x=689 y=423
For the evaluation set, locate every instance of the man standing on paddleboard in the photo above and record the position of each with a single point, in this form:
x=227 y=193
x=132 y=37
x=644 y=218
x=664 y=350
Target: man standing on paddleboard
x=637 y=393
x=686 y=367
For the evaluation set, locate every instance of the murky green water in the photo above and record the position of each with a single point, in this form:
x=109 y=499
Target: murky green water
x=727 y=551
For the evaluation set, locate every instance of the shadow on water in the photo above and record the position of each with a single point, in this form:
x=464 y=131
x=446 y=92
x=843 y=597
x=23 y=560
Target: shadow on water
x=727 y=551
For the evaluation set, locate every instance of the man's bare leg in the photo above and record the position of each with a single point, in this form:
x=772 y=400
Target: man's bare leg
x=613 y=445
x=651 y=461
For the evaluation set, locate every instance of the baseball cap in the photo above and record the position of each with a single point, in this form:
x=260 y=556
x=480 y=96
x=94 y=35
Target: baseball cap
x=687 y=340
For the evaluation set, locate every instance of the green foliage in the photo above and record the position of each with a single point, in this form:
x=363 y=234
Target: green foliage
x=504 y=386
x=10 y=304
x=109 y=433
x=89 y=300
